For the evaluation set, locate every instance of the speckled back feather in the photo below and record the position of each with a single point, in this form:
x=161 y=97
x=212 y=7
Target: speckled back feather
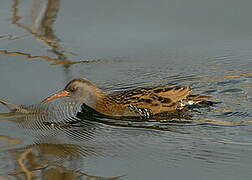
x=154 y=99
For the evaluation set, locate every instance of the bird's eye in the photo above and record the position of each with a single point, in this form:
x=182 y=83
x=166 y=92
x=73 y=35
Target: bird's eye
x=72 y=89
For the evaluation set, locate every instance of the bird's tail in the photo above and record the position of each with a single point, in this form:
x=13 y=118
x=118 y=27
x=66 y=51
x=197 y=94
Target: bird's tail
x=195 y=99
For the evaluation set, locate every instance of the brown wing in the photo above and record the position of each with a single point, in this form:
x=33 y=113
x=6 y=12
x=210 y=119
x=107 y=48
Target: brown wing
x=155 y=99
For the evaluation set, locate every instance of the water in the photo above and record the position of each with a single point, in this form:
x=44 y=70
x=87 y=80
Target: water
x=120 y=45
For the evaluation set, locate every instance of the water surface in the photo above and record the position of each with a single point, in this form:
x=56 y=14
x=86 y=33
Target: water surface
x=120 y=45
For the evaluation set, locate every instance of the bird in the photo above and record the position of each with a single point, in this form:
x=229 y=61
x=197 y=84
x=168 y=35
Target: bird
x=144 y=102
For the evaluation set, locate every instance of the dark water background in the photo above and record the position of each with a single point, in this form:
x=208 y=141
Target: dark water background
x=120 y=45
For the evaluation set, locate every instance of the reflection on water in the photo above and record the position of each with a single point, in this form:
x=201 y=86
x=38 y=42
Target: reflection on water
x=55 y=141
x=53 y=145
x=38 y=161
x=60 y=137
x=56 y=61
x=43 y=16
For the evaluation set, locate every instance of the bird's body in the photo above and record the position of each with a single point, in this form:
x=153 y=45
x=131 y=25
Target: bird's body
x=144 y=102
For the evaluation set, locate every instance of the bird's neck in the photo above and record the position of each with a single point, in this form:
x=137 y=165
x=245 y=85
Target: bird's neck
x=105 y=104
x=94 y=96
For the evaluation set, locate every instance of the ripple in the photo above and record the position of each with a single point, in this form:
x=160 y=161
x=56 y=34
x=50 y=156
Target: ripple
x=236 y=114
x=228 y=82
x=211 y=91
x=233 y=90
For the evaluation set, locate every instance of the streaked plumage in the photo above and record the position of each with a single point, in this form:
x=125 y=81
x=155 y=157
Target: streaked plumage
x=143 y=102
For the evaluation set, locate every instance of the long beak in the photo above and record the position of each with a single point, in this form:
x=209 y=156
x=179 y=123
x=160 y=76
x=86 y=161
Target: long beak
x=60 y=94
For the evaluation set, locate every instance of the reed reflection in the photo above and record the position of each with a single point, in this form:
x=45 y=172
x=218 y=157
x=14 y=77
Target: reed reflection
x=49 y=161
x=43 y=14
